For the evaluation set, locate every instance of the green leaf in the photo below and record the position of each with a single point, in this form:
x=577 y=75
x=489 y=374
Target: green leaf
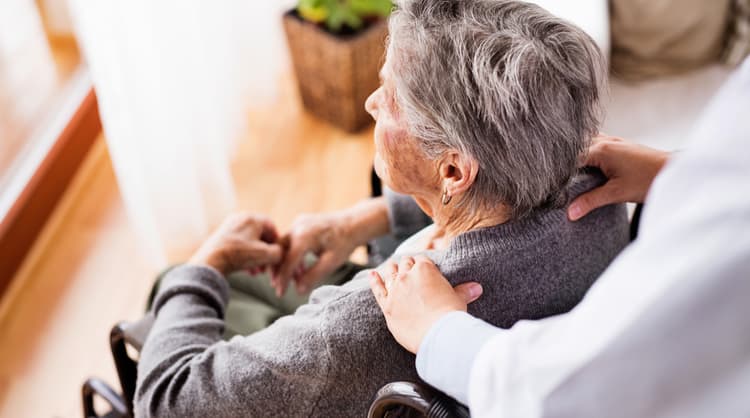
x=313 y=14
x=335 y=20
x=352 y=19
x=372 y=7
x=337 y=13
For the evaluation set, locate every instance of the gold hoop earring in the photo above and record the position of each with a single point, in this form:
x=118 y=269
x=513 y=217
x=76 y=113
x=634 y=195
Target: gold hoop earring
x=446 y=197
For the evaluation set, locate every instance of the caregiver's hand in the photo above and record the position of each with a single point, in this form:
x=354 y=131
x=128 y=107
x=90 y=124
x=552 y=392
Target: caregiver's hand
x=330 y=236
x=630 y=169
x=242 y=241
x=414 y=295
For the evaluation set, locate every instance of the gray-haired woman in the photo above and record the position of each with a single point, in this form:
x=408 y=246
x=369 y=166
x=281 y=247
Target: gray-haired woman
x=484 y=110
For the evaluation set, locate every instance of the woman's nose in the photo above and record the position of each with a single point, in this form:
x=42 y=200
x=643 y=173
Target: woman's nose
x=371 y=105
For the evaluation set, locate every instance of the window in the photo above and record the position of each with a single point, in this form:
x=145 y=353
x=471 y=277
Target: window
x=46 y=105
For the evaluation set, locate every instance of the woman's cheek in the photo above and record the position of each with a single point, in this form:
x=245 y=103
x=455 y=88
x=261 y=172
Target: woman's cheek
x=379 y=167
x=393 y=158
x=396 y=160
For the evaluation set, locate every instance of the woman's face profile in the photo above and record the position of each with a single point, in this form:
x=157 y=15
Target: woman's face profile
x=399 y=161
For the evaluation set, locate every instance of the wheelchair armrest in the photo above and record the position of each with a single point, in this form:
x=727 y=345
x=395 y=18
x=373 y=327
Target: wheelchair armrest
x=416 y=397
x=126 y=334
x=134 y=333
x=93 y=387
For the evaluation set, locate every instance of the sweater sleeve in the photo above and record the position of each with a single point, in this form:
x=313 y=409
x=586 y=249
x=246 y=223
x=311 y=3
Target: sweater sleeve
x=405 y=216
x=186 y=370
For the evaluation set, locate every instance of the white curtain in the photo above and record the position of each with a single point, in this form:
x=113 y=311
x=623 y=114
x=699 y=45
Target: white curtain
x=174 y=80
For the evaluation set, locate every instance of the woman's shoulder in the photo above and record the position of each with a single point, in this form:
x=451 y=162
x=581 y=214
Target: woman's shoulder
x=547 y=227
x=539 y=265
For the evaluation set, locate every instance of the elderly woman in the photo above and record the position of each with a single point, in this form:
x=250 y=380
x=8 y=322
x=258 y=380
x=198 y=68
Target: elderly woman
x=484 y=109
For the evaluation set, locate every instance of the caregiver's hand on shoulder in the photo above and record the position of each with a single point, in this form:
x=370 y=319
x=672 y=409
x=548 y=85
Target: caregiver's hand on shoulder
x=630 y=169
x=414 y=295
x=242 y=241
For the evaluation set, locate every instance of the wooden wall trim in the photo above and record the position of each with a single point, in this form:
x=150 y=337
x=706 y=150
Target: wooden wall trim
x=26 y=218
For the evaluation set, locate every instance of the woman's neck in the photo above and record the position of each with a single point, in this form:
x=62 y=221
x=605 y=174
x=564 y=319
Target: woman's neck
x=451 y=222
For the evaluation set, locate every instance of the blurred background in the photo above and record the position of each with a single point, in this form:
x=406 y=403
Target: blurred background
x=128 y=130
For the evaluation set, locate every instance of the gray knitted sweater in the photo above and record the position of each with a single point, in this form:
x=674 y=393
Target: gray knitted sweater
x=333 y=354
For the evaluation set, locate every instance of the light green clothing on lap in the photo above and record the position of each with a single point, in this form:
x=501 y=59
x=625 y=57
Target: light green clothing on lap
x=253 y=304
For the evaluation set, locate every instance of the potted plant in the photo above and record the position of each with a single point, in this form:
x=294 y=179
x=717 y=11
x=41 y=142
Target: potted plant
x=337 y=47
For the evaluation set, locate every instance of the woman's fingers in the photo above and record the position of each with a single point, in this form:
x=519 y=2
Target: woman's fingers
x=291 y=263
x=265 y=254
x=269 y=233
x=299 y=271
x=318 y=234
x=307 y=278
x=251 y=254
x=292 y=260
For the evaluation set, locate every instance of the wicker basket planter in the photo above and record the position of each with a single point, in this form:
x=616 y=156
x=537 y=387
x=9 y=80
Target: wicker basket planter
x=336 y=73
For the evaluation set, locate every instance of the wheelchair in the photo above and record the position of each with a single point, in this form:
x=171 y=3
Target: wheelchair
x=396 y=399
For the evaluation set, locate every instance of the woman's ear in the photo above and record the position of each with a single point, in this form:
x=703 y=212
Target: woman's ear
x=457 y=172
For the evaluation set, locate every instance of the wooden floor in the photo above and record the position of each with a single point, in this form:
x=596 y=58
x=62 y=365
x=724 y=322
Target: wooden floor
x=86 y=272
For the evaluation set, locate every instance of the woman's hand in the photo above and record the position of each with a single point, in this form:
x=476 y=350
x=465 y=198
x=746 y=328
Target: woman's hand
x=630 y=170
x=243 y=241
x=414 y=295
x=326 y=235
x=330 y=236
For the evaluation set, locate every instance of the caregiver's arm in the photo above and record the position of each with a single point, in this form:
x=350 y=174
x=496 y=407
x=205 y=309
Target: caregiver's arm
x=428 y=317
x=630 y=169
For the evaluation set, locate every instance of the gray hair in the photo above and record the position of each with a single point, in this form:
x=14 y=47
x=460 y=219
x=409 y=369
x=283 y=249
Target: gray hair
x=504 y=82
